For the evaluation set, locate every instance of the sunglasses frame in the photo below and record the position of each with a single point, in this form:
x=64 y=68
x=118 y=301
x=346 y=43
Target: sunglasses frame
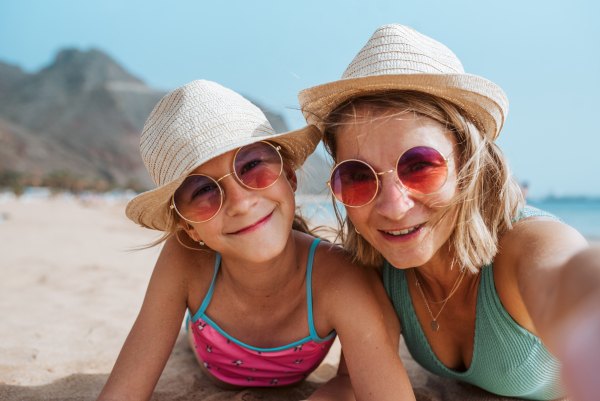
x=221 y=190
x=446 y=159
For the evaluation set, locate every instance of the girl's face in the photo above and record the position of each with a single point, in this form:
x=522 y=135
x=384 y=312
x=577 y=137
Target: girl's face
x=253 y=225
x=379 y=141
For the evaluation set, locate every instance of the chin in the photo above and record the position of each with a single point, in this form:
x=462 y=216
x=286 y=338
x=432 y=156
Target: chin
x=407 y=258
x=264 y=250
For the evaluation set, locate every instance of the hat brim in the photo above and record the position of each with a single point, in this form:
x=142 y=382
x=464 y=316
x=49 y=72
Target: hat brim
x=151 y=209
x=483 y=100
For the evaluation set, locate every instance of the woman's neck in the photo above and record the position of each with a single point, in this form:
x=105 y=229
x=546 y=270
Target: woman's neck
x=251 y=280
x=439 y=275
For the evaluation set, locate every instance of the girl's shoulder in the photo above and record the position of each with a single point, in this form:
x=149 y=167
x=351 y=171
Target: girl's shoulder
x=186 y=255
x=335 y=271
x=192 y=268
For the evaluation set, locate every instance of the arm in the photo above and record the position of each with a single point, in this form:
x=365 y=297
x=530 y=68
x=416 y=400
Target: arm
x=370 y=355
x=551 y=273
x=150 y=341
x=558 y=279
x=340 y=387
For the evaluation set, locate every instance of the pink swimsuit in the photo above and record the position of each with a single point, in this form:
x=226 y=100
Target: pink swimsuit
x=236 y=363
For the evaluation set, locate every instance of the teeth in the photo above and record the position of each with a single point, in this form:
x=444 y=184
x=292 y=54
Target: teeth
x=403 y=232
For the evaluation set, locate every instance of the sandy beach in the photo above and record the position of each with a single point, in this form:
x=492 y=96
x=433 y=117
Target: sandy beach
x=70 y=290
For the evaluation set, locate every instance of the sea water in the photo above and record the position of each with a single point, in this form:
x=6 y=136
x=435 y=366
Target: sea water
x=583 y=214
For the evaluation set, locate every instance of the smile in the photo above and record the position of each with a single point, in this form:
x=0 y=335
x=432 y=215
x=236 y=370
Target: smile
x=259 y=224
x=405 y=231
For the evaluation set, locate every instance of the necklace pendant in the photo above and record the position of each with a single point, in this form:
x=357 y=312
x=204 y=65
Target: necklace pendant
x=434 y=326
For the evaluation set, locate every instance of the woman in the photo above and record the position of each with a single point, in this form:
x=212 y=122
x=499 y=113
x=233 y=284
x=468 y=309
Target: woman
x=484 y=290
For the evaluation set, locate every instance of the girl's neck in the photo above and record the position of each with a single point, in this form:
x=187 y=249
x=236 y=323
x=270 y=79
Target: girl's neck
x=266 y=279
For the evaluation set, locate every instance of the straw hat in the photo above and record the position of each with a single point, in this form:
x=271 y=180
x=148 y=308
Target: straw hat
x=196 y=123
x=399 y=58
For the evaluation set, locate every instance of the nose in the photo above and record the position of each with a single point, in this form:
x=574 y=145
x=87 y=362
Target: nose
x=238 y=199
x=393 y=201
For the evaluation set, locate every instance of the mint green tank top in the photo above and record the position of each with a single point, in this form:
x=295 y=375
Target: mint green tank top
x=507 y=359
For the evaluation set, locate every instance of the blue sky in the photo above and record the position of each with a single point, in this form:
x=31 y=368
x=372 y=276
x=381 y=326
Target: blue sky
x=544 y=54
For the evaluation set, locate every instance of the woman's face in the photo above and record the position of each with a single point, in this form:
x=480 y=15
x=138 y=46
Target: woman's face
x=380 y=141
x=253 y=225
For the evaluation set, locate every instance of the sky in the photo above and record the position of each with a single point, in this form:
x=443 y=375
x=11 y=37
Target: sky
x=544 y=54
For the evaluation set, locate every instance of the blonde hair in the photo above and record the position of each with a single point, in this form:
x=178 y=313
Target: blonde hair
x=174 y=221
x=487 y=196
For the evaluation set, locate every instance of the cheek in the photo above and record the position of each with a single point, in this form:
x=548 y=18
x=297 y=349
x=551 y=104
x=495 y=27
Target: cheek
x=359 y=215
x=445 y=196
x=282 y=192
x=210 y=230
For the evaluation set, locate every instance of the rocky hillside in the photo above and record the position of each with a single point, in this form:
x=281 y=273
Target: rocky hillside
x=85 y=105
x=80 y=116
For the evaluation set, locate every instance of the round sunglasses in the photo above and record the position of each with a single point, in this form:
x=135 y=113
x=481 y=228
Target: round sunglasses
x=200 y=197
x=421 y=170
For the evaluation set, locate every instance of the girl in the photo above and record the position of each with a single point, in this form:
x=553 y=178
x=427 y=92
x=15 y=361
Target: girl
x=266 y=299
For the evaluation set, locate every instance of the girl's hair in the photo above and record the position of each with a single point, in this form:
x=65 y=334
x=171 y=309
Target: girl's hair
x=174 y=222
x=487 y=196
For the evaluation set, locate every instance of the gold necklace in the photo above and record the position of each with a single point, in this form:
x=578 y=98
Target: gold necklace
x=435 y=326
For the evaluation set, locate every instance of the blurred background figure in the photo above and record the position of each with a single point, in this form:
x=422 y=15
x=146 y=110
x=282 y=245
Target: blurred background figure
x=525 y=190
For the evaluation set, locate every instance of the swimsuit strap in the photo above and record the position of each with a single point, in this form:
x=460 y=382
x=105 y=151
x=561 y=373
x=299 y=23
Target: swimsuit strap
x=210 y=290
x=309 y=265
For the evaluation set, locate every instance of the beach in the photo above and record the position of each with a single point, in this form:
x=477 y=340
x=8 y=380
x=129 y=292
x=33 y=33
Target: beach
x=71 y=286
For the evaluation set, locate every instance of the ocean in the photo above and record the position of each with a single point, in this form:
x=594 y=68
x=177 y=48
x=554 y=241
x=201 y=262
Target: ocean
x=583 y=214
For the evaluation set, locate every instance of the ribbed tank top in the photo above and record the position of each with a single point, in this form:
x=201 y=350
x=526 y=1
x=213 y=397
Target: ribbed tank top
x=507 y=359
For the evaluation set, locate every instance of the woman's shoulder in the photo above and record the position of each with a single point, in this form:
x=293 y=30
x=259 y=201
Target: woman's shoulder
x=535 y=230
x=536 y=239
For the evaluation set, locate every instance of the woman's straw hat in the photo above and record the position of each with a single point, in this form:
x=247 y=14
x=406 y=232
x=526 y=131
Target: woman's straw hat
x=399 y=58
x=193 y=124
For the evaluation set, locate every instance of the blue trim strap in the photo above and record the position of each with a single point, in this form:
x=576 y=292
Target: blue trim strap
x=309 y=266
x=208 y=296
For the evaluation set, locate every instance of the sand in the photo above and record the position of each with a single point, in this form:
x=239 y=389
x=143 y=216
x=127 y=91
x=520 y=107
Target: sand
x=70 y=290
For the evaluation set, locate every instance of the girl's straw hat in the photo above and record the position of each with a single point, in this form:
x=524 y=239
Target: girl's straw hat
x=193 y=124
x=399 y=58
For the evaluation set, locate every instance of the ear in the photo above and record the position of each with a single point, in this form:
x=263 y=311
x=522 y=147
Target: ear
x=291 y=176
x=191 y=231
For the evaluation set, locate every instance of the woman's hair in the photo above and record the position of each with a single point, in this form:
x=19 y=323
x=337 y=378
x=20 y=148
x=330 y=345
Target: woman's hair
x=174 y=222
x=487 y=196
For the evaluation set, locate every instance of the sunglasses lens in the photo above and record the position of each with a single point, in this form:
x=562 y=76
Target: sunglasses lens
x=422 y=170
x=353 y=183
x=198 y=198
x=258 y=165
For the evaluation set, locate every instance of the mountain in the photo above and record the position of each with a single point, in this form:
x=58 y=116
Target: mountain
x=25 y=152
x=82 y=115
x=86 y=105
x=10 y=76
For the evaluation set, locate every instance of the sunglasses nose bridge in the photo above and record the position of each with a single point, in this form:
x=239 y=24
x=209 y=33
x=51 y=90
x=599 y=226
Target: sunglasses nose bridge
x=386 y=172
x=225 y=176
x=396 y=181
